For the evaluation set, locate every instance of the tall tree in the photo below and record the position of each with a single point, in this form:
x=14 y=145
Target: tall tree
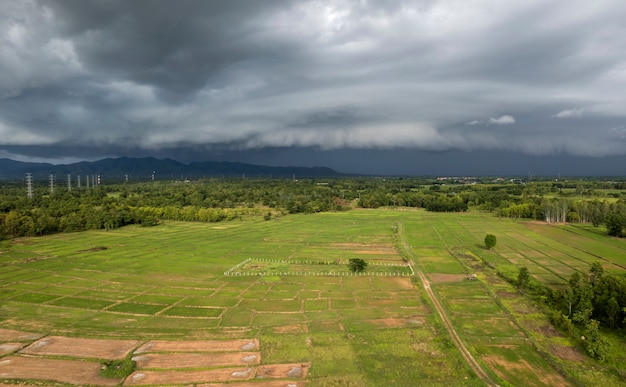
x=523 y=279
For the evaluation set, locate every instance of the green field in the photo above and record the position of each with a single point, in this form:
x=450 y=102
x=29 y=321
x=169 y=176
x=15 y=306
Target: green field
x=292 y=290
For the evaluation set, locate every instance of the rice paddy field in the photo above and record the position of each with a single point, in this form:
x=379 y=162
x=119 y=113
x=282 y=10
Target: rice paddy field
x=285 y=284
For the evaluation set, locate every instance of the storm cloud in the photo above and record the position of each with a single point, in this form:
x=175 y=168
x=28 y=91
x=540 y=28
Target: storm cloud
x=91 y=79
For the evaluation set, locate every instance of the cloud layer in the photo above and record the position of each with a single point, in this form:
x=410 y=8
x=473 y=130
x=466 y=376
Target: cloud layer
x=117 y=75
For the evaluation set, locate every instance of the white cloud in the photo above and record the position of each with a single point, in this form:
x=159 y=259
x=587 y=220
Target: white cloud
x=569 y=113
x=618 y=132
x=503 y=120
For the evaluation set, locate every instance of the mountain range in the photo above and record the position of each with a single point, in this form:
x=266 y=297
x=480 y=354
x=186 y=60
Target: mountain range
x=147 y=168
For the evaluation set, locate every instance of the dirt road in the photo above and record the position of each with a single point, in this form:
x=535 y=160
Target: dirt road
x=469 y=359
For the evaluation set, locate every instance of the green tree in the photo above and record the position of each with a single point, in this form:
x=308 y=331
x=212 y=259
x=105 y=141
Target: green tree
x=615 y=223
x=583 y=297
x=523 y=279
x=613 y=312
x=490 y=241
x=596 y=271
x=596 y=345
x=357 y=265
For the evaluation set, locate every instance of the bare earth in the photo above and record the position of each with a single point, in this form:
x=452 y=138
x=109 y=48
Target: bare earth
x=11 y=335
x=83 y=348
x=272 y=383
x=441 y=278
x=200 y=346
x=158 y=362
x=197 y=360
x=6 y=348
x=182 y=377
x=66 y=371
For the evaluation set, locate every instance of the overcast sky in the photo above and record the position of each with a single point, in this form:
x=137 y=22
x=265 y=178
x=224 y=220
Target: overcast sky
x=382 y=87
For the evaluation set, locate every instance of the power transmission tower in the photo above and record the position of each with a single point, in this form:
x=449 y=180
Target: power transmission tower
x=69 y=183
x=51 y=184
x=78 y=182
x=29 y=185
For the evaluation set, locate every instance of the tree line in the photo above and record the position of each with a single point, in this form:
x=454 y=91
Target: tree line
x=214 y=200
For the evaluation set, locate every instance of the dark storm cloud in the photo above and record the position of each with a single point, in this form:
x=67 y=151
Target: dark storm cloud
x=209 y=77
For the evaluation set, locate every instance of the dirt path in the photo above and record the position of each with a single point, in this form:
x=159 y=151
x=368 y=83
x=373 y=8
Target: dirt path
x=469 y=359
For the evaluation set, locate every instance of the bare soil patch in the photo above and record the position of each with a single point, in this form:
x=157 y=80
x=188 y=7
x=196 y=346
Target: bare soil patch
x=12 y=335
x=294 y=370
x=548 y=331
x=269 y=383
x=185 y=377
x=567 y=353
x=66 y=371
x=197 y=360
x=522 y=367
x=200 y=346
x=7 y=348
x=442 y=277
x=397 y=322
x=97 y=248
x=83 y=348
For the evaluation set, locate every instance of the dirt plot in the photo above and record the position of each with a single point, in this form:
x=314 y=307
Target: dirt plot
x=11 y=335
x=182 y=377
x=567 y=353
x=7 y=348
x=199 y=346
x=442 y=278
x=83 y=348
x=66 y=371
x=295 y=370
x=397 y=322
x=269 y=383
x=197 y=360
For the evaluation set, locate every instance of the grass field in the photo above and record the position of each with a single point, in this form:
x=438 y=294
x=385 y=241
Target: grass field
x=168 y=282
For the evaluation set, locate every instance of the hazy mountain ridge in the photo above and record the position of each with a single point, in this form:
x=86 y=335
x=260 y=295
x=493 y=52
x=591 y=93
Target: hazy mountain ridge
x=143 y=168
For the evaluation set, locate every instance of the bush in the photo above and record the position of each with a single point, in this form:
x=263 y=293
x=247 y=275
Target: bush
x=117 y=369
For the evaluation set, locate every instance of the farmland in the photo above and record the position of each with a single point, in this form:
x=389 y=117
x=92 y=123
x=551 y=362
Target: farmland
x=289 y=288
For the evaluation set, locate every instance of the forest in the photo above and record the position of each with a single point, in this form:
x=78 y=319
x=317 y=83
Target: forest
x=108 y=206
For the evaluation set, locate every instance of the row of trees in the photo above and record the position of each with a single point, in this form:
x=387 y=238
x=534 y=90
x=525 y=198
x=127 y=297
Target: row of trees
x=214 y=200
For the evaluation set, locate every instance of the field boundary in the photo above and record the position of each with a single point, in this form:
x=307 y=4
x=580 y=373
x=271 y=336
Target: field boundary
x=234 y=271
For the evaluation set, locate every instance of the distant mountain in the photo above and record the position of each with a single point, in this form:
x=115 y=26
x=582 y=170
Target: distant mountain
x=144 y=168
